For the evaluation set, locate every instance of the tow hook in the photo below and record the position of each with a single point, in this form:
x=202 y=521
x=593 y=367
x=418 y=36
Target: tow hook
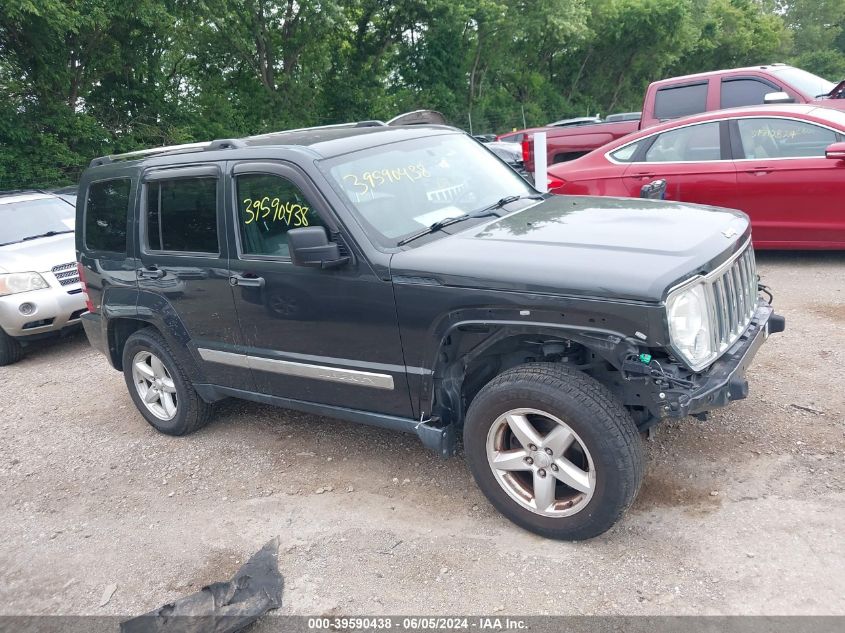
x=777 y=323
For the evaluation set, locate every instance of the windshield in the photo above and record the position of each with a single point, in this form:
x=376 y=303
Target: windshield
x=29 y=218
x=808 y=83
x=400 y=188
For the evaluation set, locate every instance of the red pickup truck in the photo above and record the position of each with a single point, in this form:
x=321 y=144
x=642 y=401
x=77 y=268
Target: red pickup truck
x=683 y=96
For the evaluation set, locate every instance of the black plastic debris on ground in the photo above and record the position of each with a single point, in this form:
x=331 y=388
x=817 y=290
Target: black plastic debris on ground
x=222 y=607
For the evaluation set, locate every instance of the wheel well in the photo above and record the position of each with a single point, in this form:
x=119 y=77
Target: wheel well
x=467 y=364
x=469 y=360
x=118 y=332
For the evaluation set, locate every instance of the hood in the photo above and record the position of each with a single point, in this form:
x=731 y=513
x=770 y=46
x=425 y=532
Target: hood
x=623 y=248
x=508 y=152
x=39 y=255
x=838 y=91
x=835 y=98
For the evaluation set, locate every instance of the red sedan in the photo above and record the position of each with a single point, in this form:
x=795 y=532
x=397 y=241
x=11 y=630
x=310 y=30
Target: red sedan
x=783 y=165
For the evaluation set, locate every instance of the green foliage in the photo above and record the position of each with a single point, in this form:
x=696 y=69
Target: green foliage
x=81 y=78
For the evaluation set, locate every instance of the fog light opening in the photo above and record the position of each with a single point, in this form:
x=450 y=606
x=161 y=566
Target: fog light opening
x=27 y=309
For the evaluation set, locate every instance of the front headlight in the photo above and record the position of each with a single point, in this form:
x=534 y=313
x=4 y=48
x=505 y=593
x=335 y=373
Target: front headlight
x=690 y=329
x=13 y=283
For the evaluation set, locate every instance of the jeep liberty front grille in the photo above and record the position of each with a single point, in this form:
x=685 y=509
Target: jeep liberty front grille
x=66 y=274
x=734 y=292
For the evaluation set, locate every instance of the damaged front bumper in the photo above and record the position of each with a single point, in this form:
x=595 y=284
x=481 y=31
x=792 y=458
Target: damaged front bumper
x=724 y=381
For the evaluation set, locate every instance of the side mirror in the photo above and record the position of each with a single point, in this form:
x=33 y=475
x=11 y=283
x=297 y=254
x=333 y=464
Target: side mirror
x=835 y=151
x=310 y=246
x=777 y=97
x=655 y=190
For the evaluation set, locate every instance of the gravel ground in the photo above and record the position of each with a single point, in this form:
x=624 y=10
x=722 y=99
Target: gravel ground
x=741 y=514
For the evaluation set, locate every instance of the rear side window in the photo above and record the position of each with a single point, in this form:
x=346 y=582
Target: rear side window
x=744 y=92
x=626 y=154
x=690 y=144
x=182 y=215
x=106 y=210
x=671 y=103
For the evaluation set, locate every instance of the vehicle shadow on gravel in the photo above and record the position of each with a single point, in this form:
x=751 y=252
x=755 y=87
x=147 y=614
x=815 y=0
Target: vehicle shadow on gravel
x=42 y=350
x=801 y=257
x=672 y=480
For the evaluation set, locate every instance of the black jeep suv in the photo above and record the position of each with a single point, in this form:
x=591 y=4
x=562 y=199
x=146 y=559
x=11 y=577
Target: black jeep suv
x=405 y=277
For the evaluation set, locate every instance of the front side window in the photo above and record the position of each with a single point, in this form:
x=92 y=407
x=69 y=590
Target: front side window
x=694 y=143
x=400 y=188
x=106 y=211
x=783 y=138
x=744 y=92
x=672 y=103
x=268 y=207
x=182 y=215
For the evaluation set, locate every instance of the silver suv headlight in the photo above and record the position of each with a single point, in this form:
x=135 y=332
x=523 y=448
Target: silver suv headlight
x=690 y=326
x=13 y=283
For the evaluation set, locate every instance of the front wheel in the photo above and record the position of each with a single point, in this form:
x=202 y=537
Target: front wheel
x=10 y=349
x=554 y=451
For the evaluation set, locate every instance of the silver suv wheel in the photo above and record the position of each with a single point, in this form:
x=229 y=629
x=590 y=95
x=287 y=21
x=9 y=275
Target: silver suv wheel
x=540 y=462
x=154 y=385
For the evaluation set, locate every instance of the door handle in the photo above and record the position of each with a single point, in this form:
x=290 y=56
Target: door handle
x=644 y=175
x=759 y=171
x=246 y=282
x=151 y=272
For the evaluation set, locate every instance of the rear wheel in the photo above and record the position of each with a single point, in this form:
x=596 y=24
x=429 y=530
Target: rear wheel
x=10 y=349
x=553 y=451
x=159 y=386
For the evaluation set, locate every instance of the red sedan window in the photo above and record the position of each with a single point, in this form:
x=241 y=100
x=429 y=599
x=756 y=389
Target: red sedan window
x=783 y=138
x=693 y=143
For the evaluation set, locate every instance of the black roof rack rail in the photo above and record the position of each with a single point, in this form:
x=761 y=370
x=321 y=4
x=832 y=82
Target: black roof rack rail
x=224 y=143
x=153 y=151
x=409 y=118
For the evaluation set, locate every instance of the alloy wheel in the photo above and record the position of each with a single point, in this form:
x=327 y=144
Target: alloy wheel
x=154 y=385
x=540 y=462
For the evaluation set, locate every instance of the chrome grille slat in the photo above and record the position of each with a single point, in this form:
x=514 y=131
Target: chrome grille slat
x=742 y=273
x=66 y=274
x=723 y=310
x=746 y=282
x=734 y=292
x=740 y=293
x=732 y=315
x=752 y=287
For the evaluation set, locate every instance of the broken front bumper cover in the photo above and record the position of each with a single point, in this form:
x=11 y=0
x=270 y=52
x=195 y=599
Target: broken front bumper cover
x=724 y=381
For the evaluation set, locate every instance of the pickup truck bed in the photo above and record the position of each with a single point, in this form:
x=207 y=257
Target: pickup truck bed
x=691 y=94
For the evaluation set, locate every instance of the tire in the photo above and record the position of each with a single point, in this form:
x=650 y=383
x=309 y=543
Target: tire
x=10 y=349
x=595 y=447
x=168 y=383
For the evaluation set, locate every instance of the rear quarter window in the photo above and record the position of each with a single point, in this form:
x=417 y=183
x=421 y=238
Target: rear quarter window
x=106 y=212
x=675 y=102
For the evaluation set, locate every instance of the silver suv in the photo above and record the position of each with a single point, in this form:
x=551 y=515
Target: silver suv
x=40 y=293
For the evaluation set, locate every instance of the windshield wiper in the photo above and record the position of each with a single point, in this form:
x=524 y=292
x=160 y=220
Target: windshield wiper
x=47 y=234
x=508 y=199
x=480 y=213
